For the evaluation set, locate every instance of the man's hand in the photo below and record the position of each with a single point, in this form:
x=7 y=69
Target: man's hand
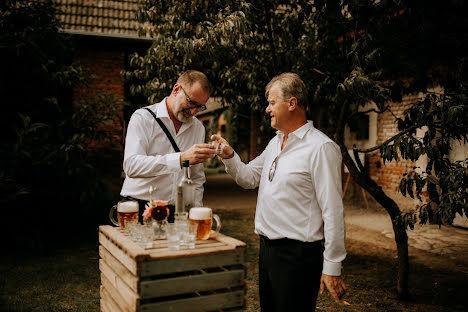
x=226 y=150
x=198 y=153
x=335 y=286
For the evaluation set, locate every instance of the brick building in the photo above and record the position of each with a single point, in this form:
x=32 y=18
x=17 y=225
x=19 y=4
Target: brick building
x=105 y=32
x=380 y=127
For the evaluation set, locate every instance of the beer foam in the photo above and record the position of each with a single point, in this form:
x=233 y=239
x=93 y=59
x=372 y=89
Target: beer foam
x=128 y=206
x=200 y=213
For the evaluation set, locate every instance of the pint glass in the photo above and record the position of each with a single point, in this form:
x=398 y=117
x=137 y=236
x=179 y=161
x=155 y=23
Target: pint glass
x=203 y=216
x=126 y=211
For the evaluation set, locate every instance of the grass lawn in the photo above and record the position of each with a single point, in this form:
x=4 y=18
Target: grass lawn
x=68 y=279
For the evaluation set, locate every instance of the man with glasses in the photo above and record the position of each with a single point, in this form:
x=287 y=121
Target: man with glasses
x=151 y=159
x=299 y=215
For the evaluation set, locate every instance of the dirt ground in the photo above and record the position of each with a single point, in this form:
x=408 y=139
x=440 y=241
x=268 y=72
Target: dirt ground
x=437 y=282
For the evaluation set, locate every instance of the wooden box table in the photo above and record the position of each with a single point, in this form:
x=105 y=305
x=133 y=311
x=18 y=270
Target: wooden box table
x=210 y=277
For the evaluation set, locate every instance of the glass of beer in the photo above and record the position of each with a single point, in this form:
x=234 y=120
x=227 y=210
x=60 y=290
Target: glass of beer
x=126 y=211
x=204 y=217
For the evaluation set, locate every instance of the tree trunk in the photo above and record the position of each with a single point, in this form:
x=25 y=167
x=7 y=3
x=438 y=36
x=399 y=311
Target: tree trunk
x=361 y=177
x=401 y=238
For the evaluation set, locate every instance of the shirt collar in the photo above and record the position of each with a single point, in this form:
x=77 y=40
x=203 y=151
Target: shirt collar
x=161 y=109
x=301 y=131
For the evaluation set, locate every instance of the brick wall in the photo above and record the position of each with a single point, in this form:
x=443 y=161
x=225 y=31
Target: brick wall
x=389 y=175
x=104 y=68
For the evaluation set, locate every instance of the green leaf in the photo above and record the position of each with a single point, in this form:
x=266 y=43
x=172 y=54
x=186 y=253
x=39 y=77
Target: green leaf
x=432 y=179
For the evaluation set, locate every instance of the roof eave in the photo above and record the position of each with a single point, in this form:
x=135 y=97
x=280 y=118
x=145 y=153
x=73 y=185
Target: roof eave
x=107 y=35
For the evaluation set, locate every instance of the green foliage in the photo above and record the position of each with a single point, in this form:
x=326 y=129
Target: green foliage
x=443 y=118
x=447 y=186
x=393 y=48
x=350 y=54
x=45 y=153
x=240 y=45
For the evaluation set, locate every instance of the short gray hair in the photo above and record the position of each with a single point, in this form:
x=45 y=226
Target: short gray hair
x=191 y=76
x=290 y=85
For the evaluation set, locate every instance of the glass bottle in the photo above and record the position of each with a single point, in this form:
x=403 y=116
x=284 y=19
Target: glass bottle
x=185 y=190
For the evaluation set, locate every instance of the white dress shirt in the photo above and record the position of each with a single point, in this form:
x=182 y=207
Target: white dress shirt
x=303 y=201
x=150 y=159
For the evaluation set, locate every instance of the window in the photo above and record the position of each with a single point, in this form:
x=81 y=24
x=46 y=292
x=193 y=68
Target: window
x=360 y=127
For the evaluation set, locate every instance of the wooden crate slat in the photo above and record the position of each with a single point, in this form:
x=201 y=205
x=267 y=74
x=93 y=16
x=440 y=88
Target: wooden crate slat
x=104 y=307
x=229 y=240
x=109 y=304
x=191 y=284
x=190 y=263
x=124 y=242
x=161 y=246
x=117 y=237
x=119 y=269
x=127 y=293
x=201 y=303
x=209 y=277
x=198 y=250
x=124 y=299
x=119 y=254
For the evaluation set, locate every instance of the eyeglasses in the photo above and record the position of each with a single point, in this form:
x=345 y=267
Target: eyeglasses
x=192 y=104
x=273 y=169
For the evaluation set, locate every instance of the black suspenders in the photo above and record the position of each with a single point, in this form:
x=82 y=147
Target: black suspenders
x=163 y=126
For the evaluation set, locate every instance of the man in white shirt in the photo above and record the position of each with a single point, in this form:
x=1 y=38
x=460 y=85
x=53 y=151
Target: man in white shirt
x=151 y=160
x=299 y=214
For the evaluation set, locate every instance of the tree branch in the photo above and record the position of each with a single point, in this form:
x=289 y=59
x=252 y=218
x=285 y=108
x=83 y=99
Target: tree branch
x=364 y=112
x=320 y=72
x=387 y=141
x=358 y=160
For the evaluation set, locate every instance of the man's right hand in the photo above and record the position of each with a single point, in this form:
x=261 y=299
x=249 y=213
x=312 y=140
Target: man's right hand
x=226 y=150
x=198 y=153
x=335 y=285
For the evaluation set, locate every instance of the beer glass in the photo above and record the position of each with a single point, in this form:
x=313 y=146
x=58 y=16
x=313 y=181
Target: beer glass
x=126 y=211
x=204 y=217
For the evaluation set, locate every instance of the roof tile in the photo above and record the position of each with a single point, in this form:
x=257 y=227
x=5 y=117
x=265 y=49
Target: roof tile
x=100 y=16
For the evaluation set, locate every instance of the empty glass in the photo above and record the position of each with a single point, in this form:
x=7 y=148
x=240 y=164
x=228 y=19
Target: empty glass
x=188 y=235
x=173 y=237
x=129 y=223
x=134 y=231
x=147 y=234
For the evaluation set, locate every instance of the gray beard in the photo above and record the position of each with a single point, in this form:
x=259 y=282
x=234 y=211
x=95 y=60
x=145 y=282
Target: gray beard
x=181 y=117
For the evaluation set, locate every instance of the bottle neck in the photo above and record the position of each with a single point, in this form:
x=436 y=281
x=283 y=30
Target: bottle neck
x=187 y=172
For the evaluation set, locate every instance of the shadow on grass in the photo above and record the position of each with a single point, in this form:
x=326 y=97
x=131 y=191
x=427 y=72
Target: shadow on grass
x=64 y=279
x=68 y=279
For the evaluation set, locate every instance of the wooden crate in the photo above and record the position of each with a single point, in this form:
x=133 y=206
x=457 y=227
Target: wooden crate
x=210 y=277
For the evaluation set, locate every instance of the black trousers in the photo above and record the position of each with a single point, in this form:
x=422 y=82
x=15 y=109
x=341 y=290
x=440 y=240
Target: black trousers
x=141 y=208
x=289 y=274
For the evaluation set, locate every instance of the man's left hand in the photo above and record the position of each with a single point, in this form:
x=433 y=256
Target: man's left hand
x=335 y=286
